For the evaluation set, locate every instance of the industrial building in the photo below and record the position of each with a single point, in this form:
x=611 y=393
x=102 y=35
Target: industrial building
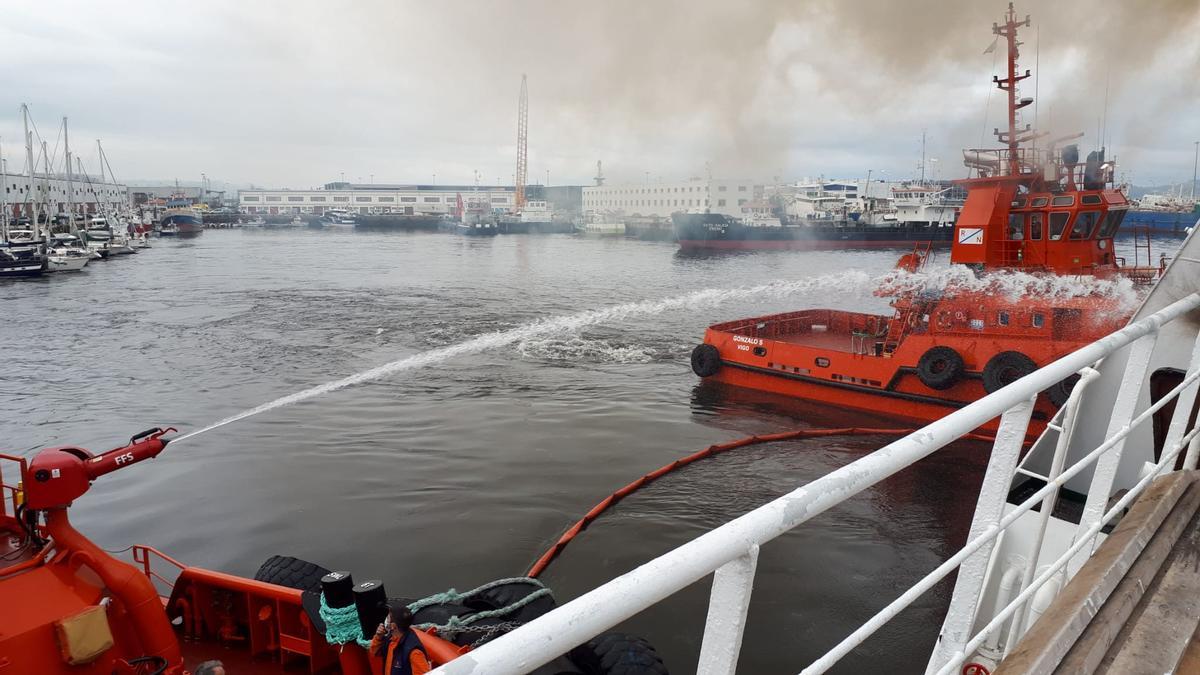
x=379 y=198
x=23 y=195
x=663 y=199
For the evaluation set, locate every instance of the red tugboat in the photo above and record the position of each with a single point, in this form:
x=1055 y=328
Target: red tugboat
x=1031 y=210
x=72 y=608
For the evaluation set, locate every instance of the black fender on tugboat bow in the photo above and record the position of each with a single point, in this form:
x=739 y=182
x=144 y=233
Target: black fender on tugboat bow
x=706 y=360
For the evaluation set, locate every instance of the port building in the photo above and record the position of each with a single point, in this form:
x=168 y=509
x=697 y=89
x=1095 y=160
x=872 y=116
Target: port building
x=410 y=199
x=89 y=195
x=664 y=198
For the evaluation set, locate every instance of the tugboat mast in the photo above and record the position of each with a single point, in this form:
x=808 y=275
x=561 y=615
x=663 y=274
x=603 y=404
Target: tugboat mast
x=1009 y=85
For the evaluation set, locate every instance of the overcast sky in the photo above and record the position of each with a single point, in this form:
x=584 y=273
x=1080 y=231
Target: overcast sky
x=298 y=93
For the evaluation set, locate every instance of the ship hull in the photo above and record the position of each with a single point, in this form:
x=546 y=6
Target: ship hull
x=714 y=231
x=1159 y=221
x=398 y=222
x=182 y=225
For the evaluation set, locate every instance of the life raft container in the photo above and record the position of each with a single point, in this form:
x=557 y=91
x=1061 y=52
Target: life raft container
x=940 y=367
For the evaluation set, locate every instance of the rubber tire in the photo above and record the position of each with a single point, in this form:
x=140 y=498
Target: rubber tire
x=618 y=654
x=706 y=360
x=284 y=570
x=947 y=375
x=1004 y=369
x=1059 y=392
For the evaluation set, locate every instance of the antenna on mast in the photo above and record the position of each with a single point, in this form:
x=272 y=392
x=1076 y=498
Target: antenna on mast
x=1009 y=84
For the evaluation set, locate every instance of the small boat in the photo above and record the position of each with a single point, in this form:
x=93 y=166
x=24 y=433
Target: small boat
x=339 y=218
x=479 y=228
x=67 y=259
x=21 y=260
x=600 y=225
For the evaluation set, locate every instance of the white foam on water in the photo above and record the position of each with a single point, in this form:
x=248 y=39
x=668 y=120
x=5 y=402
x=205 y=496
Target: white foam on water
x=851 y=281
x=1014 y=285
x=578 y=348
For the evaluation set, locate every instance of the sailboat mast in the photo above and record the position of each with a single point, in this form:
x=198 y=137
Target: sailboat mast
x=70 y=188
x=29 y=164
x=44 y=205
x=3 y=197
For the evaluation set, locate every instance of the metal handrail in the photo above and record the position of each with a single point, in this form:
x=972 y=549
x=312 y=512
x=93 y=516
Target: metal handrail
x=731 y=550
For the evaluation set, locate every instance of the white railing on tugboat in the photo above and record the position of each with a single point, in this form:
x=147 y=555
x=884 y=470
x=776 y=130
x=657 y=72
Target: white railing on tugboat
x=730 y=552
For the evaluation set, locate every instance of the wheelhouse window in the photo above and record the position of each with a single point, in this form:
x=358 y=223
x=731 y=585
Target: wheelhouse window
x=1068 y=200
x=1040 y=201
x=1084 y=224
x=1035 y=226
x=1018 y=203
x=1112 y=221
x=1090 y=199
x=1016 y=227
x=1058 y=223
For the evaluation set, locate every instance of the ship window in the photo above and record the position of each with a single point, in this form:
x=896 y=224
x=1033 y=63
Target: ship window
x=1016 y=227
x=1068 y=200
x=1058 y=223
x=1039 y=320
x=1018 y=203
x=1040 y=201
x=1035 y=226
x=1002 y=318
x=1084 y=223
x=1090 y=199
x=1111 y=222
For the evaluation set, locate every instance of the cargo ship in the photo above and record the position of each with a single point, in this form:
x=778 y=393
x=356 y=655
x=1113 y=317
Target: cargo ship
x=1032 y=210
x=720 y=231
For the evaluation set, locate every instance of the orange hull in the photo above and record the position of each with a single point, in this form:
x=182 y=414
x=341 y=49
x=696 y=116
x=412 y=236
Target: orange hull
x=881 y=365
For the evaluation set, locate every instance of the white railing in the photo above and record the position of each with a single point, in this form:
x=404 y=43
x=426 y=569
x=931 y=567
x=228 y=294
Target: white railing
x=730 y=552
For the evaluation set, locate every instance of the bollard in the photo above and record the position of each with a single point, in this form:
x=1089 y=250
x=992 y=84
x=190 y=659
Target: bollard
x=370 y=599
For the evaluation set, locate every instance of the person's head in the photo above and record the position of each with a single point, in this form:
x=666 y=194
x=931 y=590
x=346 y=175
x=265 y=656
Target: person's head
x=401 y=616
x=213 y=667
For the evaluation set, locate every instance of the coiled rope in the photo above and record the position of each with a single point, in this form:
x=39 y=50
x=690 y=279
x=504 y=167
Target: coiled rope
x=342 y=625
x=609 y=501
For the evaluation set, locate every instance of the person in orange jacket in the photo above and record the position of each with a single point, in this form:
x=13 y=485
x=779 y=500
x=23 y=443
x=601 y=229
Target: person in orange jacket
x=396 y=641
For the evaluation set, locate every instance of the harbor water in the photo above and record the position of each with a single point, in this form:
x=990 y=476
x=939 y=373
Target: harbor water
x=464 y=464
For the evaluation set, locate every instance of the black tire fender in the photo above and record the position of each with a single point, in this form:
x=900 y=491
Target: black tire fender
x=706 y=360
x=618 y=654
x=1005 y=368
x=1059 y=392
x=284 y=570
x=940 y=367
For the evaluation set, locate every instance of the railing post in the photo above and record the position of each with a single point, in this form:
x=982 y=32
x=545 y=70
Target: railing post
x=1183 y=411
x=1107 y=464
x=997 y=481
x=727 y=609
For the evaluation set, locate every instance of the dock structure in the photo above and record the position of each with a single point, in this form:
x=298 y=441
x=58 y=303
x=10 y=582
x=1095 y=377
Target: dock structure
x=1135 y=606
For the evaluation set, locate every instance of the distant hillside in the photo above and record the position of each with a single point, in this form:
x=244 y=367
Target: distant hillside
x=1136 y=191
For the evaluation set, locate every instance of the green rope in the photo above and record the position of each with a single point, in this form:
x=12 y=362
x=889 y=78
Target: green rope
x=341 y=625
x=458 y=624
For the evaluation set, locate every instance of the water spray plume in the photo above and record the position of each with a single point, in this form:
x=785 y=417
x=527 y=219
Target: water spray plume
x=851 y=282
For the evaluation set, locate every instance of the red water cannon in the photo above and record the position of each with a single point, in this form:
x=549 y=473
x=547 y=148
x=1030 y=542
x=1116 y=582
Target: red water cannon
x=58 y=476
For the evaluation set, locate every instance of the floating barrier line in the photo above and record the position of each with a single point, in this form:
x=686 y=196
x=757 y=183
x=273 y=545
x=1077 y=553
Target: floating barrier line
x=611 y=500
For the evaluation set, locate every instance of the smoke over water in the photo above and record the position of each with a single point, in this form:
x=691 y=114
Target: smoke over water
x=848 y=283
x=758 y=88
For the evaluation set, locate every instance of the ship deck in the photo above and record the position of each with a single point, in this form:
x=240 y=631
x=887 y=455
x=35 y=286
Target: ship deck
x=1134 y=607
x=834 y=341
